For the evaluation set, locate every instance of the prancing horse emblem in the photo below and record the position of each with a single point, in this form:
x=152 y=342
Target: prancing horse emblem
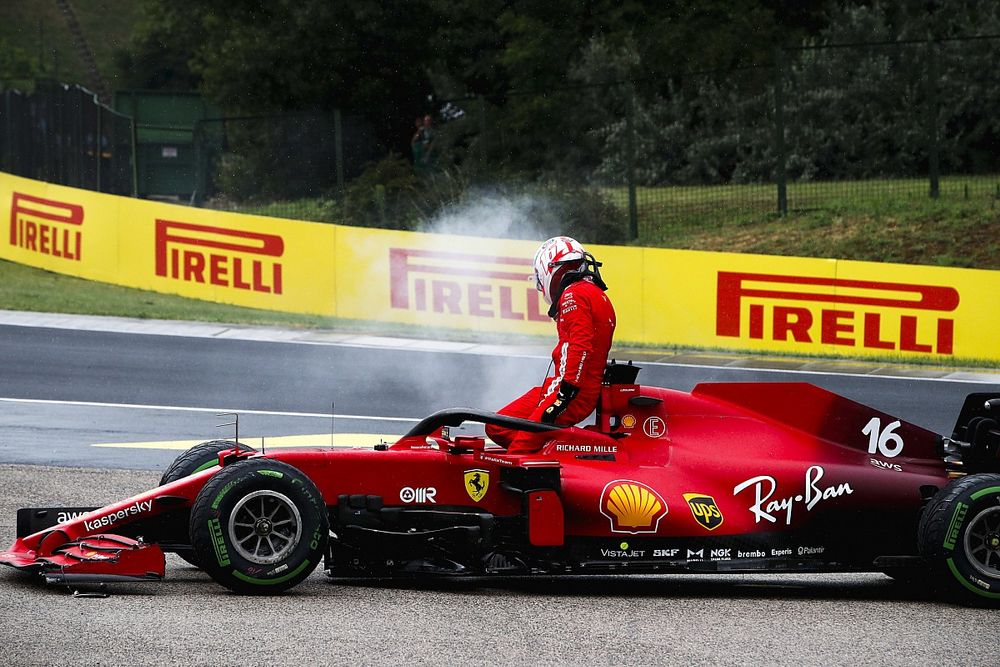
x=477 y=482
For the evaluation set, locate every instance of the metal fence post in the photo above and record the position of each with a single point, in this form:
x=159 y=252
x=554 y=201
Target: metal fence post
x=779 y=129
x=933 y=156
x=338 y=151
x=481 y=109
x=7 y=159
x=135 y=161
x=97 y=147
x=633 y=208
x=197 y=145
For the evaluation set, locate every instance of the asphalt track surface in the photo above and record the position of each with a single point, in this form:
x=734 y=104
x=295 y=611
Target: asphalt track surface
x=64 y=389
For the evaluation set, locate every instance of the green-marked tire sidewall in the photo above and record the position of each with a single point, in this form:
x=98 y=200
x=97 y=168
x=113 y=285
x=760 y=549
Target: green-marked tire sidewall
x=211 y=513
x=943 y=533
x=958 y=564
x=201 y=457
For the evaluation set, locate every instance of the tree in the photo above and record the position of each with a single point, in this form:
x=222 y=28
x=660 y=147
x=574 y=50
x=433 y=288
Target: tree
x=392 y=61
x=15 y=63
x=858 y=103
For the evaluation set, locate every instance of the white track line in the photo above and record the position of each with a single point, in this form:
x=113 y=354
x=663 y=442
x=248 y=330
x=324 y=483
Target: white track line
x=270 y=413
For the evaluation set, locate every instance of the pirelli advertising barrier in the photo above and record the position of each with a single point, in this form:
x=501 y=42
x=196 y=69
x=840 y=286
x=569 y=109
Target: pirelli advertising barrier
x=663 y=297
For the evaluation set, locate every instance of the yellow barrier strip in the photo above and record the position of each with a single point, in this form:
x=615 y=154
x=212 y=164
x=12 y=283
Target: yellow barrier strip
x=663 y=297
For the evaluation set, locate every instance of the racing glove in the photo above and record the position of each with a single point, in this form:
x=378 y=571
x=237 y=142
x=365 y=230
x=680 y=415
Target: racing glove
x=567 y=393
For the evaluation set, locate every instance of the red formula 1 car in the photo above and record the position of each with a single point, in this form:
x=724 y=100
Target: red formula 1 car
x=731 y=477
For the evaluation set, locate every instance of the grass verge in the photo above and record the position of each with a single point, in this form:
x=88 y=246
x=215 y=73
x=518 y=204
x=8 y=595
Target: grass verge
x=875 y=221
x=29 y=289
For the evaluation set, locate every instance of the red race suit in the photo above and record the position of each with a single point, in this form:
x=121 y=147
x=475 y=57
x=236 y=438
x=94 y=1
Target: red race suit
x=585 y=322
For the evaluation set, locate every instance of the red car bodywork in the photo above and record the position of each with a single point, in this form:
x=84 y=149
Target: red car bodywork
x=731 y=476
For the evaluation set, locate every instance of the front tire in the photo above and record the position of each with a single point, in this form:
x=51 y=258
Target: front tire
x=259 y=527
x=200 y=457
x=959 y=536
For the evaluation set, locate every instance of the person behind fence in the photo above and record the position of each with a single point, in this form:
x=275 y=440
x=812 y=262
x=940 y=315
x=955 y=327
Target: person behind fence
x=417 y=144
x=428 y=155
x=569 y=280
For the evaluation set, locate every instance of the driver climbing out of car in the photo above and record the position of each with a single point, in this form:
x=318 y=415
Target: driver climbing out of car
x=569 y=280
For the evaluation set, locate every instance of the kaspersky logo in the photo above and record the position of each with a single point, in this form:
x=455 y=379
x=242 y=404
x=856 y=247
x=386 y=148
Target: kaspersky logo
x=138 y=507
x=46 y=226
x=217 y=256
x=865 y=314
x=455 y=283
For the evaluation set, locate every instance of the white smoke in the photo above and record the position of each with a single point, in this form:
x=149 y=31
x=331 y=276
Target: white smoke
x=497 y=215
x=484 y=215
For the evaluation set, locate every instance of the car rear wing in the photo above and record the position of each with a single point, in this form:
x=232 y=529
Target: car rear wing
x=975 y=440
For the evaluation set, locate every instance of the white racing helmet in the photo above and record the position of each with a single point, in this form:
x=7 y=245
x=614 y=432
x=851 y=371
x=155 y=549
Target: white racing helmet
x=554 y=259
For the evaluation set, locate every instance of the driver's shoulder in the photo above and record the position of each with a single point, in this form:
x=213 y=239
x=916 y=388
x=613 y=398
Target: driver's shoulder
x=581 y=289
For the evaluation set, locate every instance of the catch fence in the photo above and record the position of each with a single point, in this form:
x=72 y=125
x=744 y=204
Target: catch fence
x=60 y=133
x=821 y=128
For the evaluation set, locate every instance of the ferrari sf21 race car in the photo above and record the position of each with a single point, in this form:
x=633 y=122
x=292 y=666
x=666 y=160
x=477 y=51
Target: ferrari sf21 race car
x=730 y=477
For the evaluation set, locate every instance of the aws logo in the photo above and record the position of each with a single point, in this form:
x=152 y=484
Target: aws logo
x=704 y=509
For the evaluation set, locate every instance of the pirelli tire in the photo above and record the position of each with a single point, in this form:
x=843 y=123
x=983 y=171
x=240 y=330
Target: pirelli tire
x=200 y=457
x=259 y=527
x=959 y=537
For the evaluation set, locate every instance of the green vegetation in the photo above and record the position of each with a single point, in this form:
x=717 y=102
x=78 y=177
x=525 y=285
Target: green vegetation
x=532 y=100
x=313 y=209
x=876 y=221
x=888 y=220
x=25 y=288
x=38 y=29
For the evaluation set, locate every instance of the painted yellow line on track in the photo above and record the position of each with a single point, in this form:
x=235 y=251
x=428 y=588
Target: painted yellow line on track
x=322 y=440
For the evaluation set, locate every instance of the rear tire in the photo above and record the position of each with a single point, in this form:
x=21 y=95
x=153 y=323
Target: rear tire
x=959 y=536
x=259 y=527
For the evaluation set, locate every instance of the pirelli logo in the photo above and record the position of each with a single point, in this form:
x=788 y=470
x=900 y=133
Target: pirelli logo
x=46 y=226
x=854 y=313
x=455 y=283
x=217 y=256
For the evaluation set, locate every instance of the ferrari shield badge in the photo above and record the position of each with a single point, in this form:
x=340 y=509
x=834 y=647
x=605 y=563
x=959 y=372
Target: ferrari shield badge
x=477 y=482
x=704 y=509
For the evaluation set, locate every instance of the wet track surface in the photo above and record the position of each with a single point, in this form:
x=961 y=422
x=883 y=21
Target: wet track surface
x=63 y=390
x=677 y=620
x=90 y=384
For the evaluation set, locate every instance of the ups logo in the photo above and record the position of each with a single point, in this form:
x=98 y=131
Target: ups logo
x=704 y=509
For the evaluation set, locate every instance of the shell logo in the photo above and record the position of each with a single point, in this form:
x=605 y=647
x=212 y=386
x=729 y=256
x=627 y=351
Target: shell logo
x=632 y=507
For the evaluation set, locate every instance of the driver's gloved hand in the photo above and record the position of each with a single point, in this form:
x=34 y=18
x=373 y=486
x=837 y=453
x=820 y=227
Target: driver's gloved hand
x=567 y=392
